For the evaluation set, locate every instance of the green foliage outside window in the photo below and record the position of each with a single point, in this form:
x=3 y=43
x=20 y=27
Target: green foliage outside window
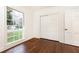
x=14 y=25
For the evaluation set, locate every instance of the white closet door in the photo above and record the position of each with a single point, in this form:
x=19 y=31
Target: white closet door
x=72 y=28
x=49 y=26
x=68 y=27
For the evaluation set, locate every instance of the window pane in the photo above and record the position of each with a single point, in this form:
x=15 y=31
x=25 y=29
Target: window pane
x=14 y=24
x=11 y=39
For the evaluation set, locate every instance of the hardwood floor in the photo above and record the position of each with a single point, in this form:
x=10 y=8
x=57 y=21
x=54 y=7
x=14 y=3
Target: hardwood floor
x=36 y=45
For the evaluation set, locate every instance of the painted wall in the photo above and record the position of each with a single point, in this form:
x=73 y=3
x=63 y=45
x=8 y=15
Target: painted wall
x=2 y=28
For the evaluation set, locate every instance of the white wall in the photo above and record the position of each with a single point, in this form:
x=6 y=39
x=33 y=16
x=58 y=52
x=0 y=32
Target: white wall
x=27 y=31
x=2 y=28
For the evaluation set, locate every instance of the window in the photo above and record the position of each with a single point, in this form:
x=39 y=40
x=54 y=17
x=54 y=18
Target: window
x=14 y=24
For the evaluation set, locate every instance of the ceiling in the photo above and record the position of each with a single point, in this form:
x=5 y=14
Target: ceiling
x=38 y=7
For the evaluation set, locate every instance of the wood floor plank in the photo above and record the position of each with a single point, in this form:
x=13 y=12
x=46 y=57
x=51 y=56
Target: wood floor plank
x=42 y=45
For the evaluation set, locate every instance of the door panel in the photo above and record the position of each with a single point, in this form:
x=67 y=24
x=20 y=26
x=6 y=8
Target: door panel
x=49 y=26
x=68 y=26
x=72 y=24
x=75 y=27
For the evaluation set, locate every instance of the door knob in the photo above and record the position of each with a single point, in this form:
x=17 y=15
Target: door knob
x=66 y=29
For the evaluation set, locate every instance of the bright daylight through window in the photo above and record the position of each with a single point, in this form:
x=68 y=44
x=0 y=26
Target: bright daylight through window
x=14 y=25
